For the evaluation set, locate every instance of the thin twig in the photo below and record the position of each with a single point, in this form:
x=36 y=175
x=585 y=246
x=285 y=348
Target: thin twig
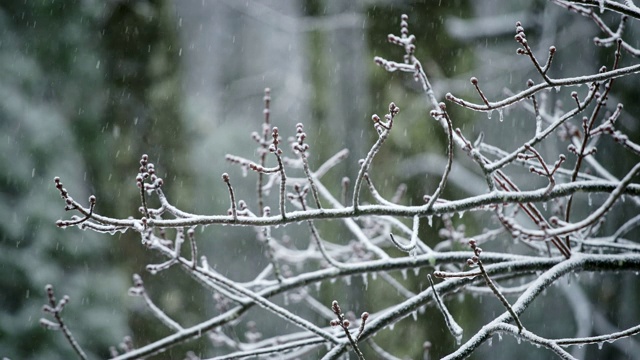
x=344 y=324
x=476 y=260
x=452 y=325
x=56 y=309
x=445 y=175
x=232 y=197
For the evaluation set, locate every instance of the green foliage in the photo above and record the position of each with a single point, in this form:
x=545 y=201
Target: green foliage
x=40 y=74
x=86 y=88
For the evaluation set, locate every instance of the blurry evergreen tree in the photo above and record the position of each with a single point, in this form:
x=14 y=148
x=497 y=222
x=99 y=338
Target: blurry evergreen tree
x=50 y=82
x=87 y=88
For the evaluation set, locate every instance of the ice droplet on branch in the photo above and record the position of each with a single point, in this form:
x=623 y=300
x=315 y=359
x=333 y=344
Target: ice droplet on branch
x=489 y=113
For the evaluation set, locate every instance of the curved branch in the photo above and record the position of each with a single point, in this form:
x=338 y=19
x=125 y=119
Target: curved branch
x=610 y=5
x=471 y=203
x=587 y=79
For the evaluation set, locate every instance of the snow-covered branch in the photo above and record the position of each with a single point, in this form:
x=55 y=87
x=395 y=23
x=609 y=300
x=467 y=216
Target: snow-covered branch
x=533 y=234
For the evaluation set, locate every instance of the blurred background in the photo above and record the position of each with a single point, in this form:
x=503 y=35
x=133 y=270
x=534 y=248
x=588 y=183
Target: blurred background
x=88 y=86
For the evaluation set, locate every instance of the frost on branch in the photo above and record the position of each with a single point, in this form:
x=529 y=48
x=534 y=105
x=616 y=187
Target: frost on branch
x=532 y=232
x=55 y=310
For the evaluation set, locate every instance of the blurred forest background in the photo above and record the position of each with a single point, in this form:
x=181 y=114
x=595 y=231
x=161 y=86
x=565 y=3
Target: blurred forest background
x=87 y=86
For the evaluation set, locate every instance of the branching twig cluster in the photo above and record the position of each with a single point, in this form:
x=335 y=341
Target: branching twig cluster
x=555 y=243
